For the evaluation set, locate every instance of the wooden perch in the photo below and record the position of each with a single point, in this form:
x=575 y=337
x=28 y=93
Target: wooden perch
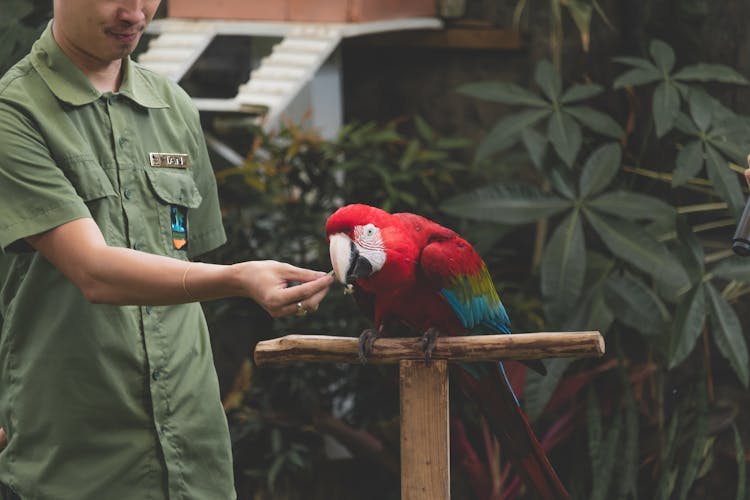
x=519 y=346
x=424 y=389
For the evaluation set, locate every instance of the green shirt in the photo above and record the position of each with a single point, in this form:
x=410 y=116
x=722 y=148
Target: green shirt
x=102 y=401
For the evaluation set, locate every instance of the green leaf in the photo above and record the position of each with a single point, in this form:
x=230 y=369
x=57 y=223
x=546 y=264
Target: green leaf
x=599 y=170
x=635 y=304
x=668 y=478
x=699 y=448
x=412 y=150
x=603 y=465
x=727 y=333
x=710 y=73
x=637 y=62
x=508 y=204
x=596 y=121
x=581 y=91
x=685 y=124
x=739 y=456
x=423 y=129
x=565 y=135
x=629 y=464
x=503 y=92
x=548 y=80
x=506 y=132
x=666 y=105
x=725 y=181
x=539 y=388
x=561 y=183
x=701 y=109
x=721 y=140
x=733 y=268
x=592 y=312
x=663 y=55
x=690 y=251
x=688 y=163
x=563 y=266
x=633 y=206
x=580 y=11
x=536 y=145
x=631 y=243
x=636 y=77
x=690 y=316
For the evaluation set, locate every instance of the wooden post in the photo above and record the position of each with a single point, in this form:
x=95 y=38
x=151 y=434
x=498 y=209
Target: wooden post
x=425 y=464
x=425 y=468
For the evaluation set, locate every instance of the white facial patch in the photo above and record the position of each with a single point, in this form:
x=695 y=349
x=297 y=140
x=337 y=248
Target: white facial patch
x=370 y=245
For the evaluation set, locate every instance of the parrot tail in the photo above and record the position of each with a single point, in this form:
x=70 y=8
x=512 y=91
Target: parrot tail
x=496 y=401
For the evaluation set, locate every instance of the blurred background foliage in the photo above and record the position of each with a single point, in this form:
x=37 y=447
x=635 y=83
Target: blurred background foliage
x=604 y=196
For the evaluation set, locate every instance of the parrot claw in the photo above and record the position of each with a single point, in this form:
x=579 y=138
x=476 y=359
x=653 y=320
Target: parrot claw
x=429 y=338
x=366 y=341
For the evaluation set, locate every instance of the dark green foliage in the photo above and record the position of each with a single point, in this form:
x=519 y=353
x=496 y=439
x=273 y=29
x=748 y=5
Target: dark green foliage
x=662 y=280
x=21 y=22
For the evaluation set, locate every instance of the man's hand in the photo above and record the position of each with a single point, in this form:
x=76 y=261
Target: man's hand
x=3 y=439
x=747 y=171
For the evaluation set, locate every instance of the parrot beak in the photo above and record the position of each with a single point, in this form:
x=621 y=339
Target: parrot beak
x=348 y=264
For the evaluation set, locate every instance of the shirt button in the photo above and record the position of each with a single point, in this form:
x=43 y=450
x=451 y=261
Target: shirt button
x=127 y=193
x=147 y=309
x=122 y=142
x=137 y=246
x=156 y=375
x=112 y=99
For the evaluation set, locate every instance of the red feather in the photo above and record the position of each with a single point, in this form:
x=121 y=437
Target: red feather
x=433 y=278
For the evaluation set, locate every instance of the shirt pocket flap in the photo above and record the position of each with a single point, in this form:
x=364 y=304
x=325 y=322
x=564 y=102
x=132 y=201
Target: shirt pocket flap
x=175 y=188
x=89 y=179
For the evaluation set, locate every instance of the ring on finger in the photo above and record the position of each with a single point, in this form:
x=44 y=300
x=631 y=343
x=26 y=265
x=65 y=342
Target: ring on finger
x=301 y=310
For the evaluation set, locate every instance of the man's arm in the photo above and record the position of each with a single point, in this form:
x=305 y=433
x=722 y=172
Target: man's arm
x=114 y=275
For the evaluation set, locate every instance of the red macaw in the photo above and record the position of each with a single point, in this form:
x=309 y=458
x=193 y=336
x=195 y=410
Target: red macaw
x=408 y=270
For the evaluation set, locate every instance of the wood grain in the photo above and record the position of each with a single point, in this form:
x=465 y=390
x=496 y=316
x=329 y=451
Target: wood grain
x=520 y=346
x=425 y=462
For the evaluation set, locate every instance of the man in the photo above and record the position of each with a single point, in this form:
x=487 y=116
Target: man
x=107 y=387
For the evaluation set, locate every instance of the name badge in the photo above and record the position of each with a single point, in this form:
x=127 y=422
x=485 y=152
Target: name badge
x=169 y=160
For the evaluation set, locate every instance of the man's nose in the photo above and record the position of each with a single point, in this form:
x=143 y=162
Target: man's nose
x=132 y=11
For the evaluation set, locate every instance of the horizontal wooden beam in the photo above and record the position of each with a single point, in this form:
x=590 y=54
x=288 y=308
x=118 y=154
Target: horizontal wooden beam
x=520 y=346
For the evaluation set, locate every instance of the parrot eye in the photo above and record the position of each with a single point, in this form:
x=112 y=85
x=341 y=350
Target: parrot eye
x=369 y=230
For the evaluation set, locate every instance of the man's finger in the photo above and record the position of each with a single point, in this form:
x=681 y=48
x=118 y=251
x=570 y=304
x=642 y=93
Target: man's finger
x=3 y=439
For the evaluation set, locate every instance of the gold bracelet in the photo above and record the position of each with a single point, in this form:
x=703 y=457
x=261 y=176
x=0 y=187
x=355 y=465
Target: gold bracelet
x=184 y=284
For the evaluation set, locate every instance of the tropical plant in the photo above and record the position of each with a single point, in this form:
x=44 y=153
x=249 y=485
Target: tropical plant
x=627 y=255
x=21 y=22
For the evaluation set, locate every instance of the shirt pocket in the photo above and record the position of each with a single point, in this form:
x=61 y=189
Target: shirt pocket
x=174 y=188
x=88 y=178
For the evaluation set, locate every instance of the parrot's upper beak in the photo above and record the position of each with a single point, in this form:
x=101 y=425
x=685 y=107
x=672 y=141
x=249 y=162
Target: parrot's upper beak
x=348 y=264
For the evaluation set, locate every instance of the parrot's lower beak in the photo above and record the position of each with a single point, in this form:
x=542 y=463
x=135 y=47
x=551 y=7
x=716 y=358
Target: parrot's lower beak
x=348 y=264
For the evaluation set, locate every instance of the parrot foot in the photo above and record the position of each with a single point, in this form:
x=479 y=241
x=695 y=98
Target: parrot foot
x=429 y=338
x=366 y=340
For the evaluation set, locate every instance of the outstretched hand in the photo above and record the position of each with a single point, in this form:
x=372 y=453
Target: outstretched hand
x=3 y=439
x=267 y=283
x=747 y=171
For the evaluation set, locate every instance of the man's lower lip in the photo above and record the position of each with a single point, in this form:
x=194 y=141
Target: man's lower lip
x=125 y=38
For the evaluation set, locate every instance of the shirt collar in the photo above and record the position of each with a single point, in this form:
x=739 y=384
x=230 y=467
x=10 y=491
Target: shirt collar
x=70 y=85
